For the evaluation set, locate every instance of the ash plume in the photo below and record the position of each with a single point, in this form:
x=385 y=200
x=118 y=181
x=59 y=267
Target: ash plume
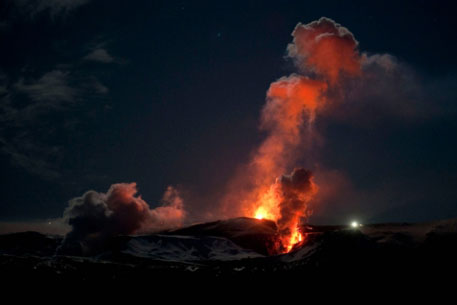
x=94 y=217
x=295 y=191
x=323 y=52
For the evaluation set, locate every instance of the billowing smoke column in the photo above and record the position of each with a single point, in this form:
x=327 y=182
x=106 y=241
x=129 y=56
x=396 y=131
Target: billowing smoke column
x=294 y=191
x=324 y=52
x=325 y=48
x=94 y=217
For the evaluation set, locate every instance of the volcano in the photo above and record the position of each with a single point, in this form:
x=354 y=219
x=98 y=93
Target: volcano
x=237 y=247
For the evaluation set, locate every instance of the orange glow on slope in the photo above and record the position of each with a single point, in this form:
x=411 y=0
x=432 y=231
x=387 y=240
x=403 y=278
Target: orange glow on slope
x=259 y=215
x=267 y=206
x=262 y=213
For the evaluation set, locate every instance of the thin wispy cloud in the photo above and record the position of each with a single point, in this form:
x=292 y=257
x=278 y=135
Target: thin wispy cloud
x=53 y=7
x=53 y=87
x=100 y=55
x=26 y=134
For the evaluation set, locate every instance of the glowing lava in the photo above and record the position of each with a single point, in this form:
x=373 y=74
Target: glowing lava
x=286 y=203
x=287 y=243
x=296 y=238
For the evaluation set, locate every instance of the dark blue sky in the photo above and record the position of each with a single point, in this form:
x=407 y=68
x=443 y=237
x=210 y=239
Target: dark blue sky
x=169 y=92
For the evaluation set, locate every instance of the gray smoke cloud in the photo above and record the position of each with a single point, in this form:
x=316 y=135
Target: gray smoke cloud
x=296 y=190
x=94 y=217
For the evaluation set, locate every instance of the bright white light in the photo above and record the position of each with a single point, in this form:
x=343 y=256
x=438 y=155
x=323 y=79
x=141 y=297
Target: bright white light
x=354 y=224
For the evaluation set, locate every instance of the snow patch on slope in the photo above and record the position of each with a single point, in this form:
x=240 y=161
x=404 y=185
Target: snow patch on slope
x=186 y=248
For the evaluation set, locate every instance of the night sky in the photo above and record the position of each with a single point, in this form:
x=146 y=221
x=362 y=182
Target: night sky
x=170 y=93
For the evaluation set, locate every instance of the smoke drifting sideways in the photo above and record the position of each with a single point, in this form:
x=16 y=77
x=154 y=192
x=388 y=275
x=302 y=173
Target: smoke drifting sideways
x=95 y=217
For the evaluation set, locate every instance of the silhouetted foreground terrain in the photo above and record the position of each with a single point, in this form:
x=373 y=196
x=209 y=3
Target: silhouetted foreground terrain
x=237 y=248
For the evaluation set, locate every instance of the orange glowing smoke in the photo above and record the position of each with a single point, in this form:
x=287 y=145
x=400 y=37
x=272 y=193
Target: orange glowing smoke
x=324 y=52
x=326 y=48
